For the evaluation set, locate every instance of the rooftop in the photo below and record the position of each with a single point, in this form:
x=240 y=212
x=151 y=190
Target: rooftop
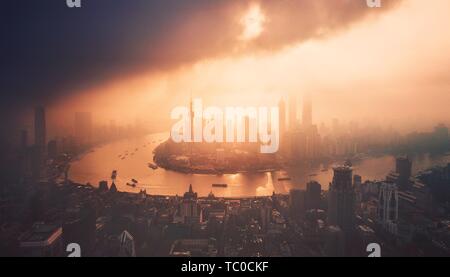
x=41 y=234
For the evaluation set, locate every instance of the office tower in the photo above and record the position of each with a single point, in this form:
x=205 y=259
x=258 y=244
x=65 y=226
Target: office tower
x=36 y=161
x=334 y=242
x=341 y=199
x=282 y=111
x=52 y=149
x=403 y=167
x=387 y=211
x=192 y=115
x=357 y=180
x=297 y=203
x=127 y=246
x=312 y=146
x=190 y=210
x=292 y=112
x=307 y=111
x=83 y=127
x=283 y=134
x=357 y=185
x=246 y=128
x=24 y=155
x=40 y=128
x=266 y=215
x=313 y=194
x=79 y=226
x=103 y=185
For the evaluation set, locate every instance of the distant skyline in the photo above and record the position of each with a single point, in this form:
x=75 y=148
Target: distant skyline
x=124 y=60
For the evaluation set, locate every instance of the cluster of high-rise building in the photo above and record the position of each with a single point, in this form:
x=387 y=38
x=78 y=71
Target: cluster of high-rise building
x=340 y=221
x=405 y=214
x=299 y=141
x=44 y=156
x=304 y=141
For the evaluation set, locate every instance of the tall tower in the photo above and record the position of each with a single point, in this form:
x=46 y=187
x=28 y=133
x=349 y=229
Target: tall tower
x=191 y=114
x=403 y=167
x=39 y=127
x=387 y=211
x=297 y=203
x=341 y=199
x=313 y=194
x=282 y=110
x=292 y=112
x=190 y=210
x=307 y=111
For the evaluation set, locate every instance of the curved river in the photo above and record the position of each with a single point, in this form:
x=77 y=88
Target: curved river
x=98 y=164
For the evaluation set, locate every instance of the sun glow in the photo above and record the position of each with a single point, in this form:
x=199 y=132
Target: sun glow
x=253 y=22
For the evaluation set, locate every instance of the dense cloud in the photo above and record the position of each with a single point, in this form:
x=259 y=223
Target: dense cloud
x=49 y=50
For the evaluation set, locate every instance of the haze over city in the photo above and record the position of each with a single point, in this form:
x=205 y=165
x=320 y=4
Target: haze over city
x=386 y=65
x=225 y=128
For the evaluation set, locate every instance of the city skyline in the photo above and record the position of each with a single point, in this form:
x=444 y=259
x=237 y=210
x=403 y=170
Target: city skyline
x=378 y=82
x=226 y=128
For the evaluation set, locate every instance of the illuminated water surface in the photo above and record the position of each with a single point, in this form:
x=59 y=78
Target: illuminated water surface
x=98 y=165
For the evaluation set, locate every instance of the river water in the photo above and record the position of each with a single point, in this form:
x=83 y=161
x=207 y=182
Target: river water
x=98 y=164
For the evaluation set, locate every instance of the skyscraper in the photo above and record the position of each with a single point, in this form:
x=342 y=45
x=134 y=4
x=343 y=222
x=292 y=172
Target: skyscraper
x=307 y=111
x=292 y=112
x=313 y=193
x=387 y=211
x=403 y=167
x=40 y=128
x=190 y=210
x=297 y=203
x=341 y=199
x=282 y=111
x=283 y=135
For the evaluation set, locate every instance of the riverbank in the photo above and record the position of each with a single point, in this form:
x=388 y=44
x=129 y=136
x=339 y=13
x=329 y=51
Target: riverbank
x=98 y=165
x=175 y=158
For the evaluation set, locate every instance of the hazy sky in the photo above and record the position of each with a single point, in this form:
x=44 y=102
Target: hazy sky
x=135 y=58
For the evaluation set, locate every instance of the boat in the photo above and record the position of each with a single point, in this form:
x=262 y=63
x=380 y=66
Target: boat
x=220 y=185
x=131 y=185
x=152 y=166
x=134 y=181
